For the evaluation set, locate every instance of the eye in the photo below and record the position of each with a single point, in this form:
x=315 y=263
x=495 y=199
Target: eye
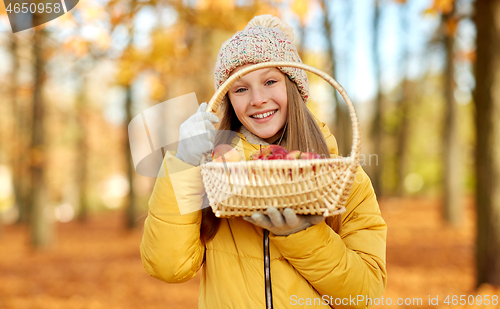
x=239 y=90
x=270 y=82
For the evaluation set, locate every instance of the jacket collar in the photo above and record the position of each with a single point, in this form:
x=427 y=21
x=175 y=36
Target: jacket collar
x=252 y=138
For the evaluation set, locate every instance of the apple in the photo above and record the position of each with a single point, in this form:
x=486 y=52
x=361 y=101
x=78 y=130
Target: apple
x=271 y=152
x=297 y=154
x=309 y=156
x=227 y=152
x=277 y=152
x=255 y=155
x=293 y=155
x=265 y=153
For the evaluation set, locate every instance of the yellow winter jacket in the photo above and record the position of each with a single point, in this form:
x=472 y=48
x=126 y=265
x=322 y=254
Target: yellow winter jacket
x=313 y=268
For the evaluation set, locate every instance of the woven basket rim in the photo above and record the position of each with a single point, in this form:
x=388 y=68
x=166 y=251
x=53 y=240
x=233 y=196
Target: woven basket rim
x=282 y=162
x=216 y=100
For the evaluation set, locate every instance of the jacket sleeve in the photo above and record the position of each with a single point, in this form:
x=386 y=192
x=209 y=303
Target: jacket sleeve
x=171 y=249
x=350 y=265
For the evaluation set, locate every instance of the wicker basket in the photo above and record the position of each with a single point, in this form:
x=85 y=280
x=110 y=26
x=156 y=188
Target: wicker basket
x=312 y=187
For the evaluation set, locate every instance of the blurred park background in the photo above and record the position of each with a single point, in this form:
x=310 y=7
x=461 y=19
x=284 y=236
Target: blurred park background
x=424 y=76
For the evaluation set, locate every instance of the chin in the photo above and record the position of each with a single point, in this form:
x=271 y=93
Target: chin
x=265 y=134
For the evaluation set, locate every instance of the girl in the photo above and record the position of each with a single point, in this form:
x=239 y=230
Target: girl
x=338 y=262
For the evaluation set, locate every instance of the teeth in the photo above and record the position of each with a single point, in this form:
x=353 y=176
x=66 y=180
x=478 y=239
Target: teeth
x=260 y=116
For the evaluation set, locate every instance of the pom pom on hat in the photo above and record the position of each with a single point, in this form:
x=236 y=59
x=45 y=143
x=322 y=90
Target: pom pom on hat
x=270 y=21
x=266 y=38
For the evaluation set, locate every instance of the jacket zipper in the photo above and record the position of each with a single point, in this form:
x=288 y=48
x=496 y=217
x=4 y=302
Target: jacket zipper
x=267 y=271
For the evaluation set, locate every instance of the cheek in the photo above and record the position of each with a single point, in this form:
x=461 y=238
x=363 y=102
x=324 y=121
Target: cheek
x=281 y=92
x=284 y=99
x=239 y=109
x=285 y=114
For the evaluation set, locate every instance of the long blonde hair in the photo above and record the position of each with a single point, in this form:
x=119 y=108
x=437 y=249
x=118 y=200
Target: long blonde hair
x=295 y=137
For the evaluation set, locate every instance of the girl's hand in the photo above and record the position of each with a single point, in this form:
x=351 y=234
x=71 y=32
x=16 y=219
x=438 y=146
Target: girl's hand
x=196 y=136
x=286 y=224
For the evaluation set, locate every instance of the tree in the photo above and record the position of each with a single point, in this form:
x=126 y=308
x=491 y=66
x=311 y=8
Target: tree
x=343 y=128
x=87 y=53
x=41 y=227
x=452 y=175
x=19 y=136
x=301 y=8
x=131 y=63
x=83 y=146
x=487 y=155
x=404 y=105
x=131 y=206
x=377 y=124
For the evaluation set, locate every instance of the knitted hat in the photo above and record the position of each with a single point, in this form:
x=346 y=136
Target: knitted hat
x=266 y=38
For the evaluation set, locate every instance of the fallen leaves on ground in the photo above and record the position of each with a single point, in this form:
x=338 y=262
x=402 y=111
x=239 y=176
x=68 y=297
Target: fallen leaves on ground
x=97 y=264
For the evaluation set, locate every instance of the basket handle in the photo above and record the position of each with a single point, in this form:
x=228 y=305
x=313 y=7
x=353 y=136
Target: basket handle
x=215 y=101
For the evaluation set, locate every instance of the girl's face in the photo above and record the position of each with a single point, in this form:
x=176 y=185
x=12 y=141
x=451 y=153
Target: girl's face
x=260 y=102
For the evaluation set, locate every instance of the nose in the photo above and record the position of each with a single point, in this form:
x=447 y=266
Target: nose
x=259 y=96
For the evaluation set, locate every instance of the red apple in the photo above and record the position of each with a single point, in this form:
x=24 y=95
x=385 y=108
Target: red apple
x=255 y=155
x=227 y=151
x=278 y=152
x=309 y=156
x=274 y=152
x=293 y=155
x=265 y=153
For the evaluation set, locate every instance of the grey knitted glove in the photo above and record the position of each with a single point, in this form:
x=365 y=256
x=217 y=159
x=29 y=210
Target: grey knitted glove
x=196 y=136
x=283 y=225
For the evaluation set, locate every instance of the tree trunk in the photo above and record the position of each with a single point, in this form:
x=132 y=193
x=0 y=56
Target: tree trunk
x=18 y=160
x=15 y=139
x=402 y=138
x=131 y=212
x=487 y=102
x=131 y=207
x=302 y=34
x=343 y=126
x=452 y=191
x=404 y=110
x=16 y=136
x=82 y=148
x=41 y=226
x=377 y=125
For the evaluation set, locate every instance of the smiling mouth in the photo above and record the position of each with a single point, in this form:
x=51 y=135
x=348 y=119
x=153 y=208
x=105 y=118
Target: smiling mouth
x=265 y=115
